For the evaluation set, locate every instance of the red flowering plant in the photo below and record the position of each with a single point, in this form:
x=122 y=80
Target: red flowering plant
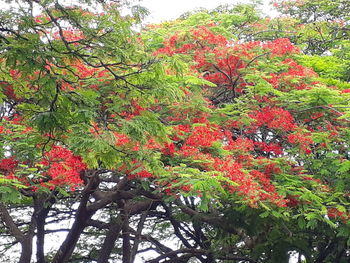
x=205 y=136
x=261 y=116
x=81 y=112
x=31 y=162
x=278 y=130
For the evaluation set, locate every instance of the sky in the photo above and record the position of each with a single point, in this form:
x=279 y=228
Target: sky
x=161 y=10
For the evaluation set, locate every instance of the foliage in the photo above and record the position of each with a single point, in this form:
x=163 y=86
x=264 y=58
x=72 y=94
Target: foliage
x=220 y=136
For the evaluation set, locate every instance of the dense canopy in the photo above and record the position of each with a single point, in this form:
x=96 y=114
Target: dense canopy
x=222 y=136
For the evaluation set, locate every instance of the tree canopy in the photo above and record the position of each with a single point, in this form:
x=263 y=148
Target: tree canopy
x=222 y=136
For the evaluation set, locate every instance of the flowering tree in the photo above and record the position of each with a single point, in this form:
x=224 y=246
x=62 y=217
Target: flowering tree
x=185 y=142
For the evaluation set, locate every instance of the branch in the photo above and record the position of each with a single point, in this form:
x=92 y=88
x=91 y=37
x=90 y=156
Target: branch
x=83 y=214
x=138 y=235
x=7 y=219
x=112 y=235
x=216 y=221
x=126 y=238
x=173 y=254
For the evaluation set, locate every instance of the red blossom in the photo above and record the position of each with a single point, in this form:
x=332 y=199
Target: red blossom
x=142 y=174
x=63 y=167
x=303 y=140
x=241 y=144
x=292 y=200
x=71 y=35
x=8 y=165
x=333 y=212
x=281 y=46
x=168 y=149
x=204 y=136
x=269 y=147
x=120 y=139
x=274 y=118
x=345 y=91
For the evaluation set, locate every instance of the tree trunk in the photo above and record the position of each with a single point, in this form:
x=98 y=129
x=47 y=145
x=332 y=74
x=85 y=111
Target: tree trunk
x=66 y=250
x=126 y=238
x=68 y=246
x=27 y=248
x=111 y=236
x=26 y=241
x=40 y=237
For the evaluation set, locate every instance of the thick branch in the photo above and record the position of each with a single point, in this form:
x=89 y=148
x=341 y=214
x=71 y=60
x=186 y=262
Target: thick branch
x=111 y=236
x=82 y=215
x=7 y=219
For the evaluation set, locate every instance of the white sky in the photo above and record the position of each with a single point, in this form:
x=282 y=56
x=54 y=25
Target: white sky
x=162 y=10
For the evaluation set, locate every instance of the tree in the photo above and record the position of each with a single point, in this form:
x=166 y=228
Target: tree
x=185 y=142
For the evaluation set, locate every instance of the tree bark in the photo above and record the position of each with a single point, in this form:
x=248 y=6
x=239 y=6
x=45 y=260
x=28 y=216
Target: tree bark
x=111 y=236
x=40 y=237
x=82 y=216
x=68 y=246
x=27 y=249
x=26 y=241
x=44 y=206
x=138 y=235
x=126 y=238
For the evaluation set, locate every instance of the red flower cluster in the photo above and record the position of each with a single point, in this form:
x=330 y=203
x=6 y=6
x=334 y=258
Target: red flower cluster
x=255 y=186
x=69 y=35
x=180 y=131
x=281 y=47
x=134 y=110
x=269 y=147
x=8 y=91
x=286 y=80
x=8 y=165
x=63 y=167
x=202 y=33
x=120 y=139
x=168 y=149
x=335 y=213
x=273 y=118
x=241 y=144
x=204 y=136
x=303 y=140
x=345 y=91
x=142 y=174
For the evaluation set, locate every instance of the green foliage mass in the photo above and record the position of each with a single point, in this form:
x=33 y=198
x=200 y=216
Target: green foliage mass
x=221 y=136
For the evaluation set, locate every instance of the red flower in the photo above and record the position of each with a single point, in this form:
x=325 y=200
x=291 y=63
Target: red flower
x=274 y=118
x=8 y=165
x=121 y=139
x=169 y=149
x=142 y=174
x=204 y=136
x=64 y=167
x=281 y=46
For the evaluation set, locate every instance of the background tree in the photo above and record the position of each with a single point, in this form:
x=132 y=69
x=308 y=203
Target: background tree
x=202 y=139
